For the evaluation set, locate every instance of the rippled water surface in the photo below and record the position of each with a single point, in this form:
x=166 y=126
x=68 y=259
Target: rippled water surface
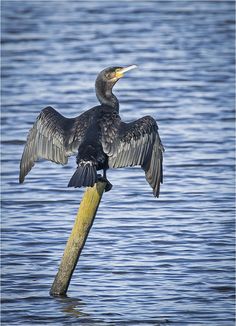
x=147 y=261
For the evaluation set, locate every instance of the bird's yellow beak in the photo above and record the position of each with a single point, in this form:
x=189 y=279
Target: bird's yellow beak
x=120 y=72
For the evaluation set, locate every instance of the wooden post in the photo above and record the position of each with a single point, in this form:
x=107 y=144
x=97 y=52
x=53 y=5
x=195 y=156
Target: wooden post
x=83 y=223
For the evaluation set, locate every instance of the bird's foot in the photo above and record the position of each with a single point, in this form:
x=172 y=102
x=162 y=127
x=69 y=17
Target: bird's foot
x=108 y=184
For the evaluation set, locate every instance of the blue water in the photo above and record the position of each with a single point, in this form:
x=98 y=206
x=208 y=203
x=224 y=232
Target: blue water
x=147 y=261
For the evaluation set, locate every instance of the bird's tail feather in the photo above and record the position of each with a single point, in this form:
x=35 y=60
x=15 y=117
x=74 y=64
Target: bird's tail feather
x=84 y=176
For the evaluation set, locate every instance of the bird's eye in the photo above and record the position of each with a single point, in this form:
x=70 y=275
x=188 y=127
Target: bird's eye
x=110 y=75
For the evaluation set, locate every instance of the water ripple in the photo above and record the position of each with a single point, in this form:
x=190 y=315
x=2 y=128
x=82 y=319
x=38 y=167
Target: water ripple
x=150 y=262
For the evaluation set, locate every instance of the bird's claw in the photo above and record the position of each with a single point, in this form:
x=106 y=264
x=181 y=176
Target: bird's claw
x=108 y=184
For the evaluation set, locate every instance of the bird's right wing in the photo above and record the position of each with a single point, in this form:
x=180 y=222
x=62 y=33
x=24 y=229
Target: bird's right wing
x=52 y=137
x=138 y=143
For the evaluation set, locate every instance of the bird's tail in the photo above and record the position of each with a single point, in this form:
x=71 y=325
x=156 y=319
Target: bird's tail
x=84 y=176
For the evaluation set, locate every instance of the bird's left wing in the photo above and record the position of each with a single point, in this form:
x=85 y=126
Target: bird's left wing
x=52 y=137
x=139 y=143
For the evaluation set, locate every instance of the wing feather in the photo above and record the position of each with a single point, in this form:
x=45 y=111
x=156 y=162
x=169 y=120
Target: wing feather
x=45 y=140
x=52 y=137
x=139 y=144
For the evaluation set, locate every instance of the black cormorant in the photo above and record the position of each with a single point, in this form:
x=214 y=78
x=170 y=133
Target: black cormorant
x=98 y=137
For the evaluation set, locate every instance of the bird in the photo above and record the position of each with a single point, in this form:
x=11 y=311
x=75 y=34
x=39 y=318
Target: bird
x=99 y=139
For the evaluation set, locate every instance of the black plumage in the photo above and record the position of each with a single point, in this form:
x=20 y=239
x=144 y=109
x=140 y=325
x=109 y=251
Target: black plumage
x=98 y=137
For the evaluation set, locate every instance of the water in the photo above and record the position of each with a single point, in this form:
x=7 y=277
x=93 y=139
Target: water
x=147 y=261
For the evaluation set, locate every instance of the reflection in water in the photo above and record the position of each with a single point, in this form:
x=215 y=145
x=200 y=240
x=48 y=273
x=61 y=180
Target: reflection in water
x=75 y=308
x=72 y=307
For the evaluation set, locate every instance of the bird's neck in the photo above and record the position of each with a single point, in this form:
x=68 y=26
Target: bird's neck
x=106 y=97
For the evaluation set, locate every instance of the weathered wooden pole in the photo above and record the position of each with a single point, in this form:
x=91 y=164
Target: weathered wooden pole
x=83 y=223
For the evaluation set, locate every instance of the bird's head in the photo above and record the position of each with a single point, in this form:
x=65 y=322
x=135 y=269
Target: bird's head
x=106 y=79
x=112 y=74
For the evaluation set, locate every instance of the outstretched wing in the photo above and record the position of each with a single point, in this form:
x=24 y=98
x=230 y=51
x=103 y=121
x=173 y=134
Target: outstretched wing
x=139 y=144
x=52 y=137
